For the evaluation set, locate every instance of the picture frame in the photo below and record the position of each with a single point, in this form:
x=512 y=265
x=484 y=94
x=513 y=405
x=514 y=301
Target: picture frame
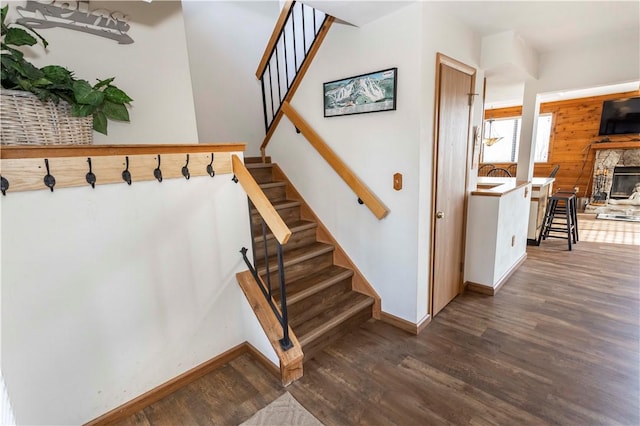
x=371 y=92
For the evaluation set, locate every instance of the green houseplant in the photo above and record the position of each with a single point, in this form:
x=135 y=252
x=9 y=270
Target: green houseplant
x=104 y=101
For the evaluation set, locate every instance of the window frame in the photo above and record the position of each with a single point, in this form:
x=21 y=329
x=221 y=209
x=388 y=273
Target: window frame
x=512 y=116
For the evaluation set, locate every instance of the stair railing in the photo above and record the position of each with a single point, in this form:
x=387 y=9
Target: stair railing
x=293 y=44
x=272 y=220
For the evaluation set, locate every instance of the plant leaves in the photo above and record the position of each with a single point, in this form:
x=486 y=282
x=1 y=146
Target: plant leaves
x=58 y=75
x=22 y=67
x=116 y=95
x=115 y=111
x=85 y=94
x=100 y=122
x=19 y=37
x=102 y=83
x=41 y=82
x=45 y=43
x=14 y=52
x=78 y=110
x=24 y=84
x=4 y=12
x=45 y=95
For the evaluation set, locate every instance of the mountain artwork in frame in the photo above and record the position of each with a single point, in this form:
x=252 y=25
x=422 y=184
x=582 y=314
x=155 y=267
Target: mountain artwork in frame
x=372 y=92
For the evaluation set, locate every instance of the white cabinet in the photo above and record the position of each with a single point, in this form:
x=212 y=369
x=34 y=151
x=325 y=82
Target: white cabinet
x=496 y=238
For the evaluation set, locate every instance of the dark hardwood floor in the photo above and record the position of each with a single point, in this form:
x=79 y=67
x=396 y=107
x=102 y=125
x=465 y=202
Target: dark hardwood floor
x=559 y=344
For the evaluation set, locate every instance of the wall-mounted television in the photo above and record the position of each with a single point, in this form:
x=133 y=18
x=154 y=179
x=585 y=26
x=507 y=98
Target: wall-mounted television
x=620 y=117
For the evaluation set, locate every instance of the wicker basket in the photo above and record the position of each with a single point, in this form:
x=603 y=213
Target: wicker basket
x=25 y=120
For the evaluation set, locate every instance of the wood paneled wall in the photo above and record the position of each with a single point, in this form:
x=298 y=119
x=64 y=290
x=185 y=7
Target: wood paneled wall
x=574 y=130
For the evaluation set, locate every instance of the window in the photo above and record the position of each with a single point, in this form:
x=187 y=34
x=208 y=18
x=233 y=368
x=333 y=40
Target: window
x=506 y=149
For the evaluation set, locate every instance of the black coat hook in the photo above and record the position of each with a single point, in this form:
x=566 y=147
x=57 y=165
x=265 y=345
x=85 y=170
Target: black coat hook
x=210 y=170
x=157 y=172
x=49 y=180
x=185 y=169
x=4 y=185
x=91 y=177
x=126 y=174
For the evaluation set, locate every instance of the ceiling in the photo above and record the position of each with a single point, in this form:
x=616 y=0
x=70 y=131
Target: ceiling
x=544 y=25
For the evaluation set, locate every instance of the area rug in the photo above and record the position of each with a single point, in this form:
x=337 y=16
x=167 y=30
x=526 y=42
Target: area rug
x=284 y=411
x=618 y=217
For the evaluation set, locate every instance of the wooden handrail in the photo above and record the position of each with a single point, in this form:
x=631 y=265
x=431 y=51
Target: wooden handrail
x=370 y=200
x=298 y=79
x=284 y=13
x=273 y=220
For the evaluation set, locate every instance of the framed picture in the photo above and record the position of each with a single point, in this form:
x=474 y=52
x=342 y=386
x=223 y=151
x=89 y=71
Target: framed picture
x=373 y=92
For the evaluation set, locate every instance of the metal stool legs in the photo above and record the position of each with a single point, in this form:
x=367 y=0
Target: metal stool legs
x=561 y=217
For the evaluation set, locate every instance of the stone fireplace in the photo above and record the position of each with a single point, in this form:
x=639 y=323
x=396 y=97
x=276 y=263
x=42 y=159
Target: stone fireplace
x=615 y=165
x=616 y=170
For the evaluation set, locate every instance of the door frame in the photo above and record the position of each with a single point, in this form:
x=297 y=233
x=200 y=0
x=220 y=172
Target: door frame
x=442 y=59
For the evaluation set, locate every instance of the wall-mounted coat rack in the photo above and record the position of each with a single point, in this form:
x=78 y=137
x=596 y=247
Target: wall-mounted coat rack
x=27 y=168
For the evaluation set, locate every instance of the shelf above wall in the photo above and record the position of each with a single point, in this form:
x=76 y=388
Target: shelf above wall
x=616 y=145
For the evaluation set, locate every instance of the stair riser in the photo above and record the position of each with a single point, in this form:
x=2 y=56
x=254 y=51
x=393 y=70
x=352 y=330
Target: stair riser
x=262 y=175
x=289 y=214
x=300 y=269
x=275 y=193
x=297 y=239
x=314 y=305
x=355 y=321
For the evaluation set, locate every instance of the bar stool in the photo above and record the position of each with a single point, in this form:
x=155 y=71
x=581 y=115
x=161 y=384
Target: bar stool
x=561 y=217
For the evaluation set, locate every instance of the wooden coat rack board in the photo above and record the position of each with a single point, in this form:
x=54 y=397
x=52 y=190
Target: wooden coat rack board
x=24 y=168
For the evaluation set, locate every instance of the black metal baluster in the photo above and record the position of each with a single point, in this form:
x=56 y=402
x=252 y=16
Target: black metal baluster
x=304 y=33
x=286 y=62
x=293 y=30
x=273 y=114
x=253 y=245
x=266 y=254
x=278 y=76
x=264 y=106
x=285 y=342
x=315 y=26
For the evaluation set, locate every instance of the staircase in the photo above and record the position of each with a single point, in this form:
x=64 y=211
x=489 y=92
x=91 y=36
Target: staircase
x=321 y=302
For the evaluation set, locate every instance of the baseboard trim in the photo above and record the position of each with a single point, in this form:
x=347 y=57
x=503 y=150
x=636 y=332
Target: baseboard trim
x=266 y=362
x=491 y=291
x=129 y=408
x=405 y=325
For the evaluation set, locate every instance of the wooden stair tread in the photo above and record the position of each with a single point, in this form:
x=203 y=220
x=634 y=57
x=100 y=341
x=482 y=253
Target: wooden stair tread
x=313 y=283
x=294 y=226
x=253 y=160
x=296 y=255
x=272 y=184
x=280 y=204
x=343 y=308
x=259 y=166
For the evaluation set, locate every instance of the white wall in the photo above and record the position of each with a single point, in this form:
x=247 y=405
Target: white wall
x=154 y=70
x=226 y=41
x=110 y=292
x=392 y=253
x=593 y=64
